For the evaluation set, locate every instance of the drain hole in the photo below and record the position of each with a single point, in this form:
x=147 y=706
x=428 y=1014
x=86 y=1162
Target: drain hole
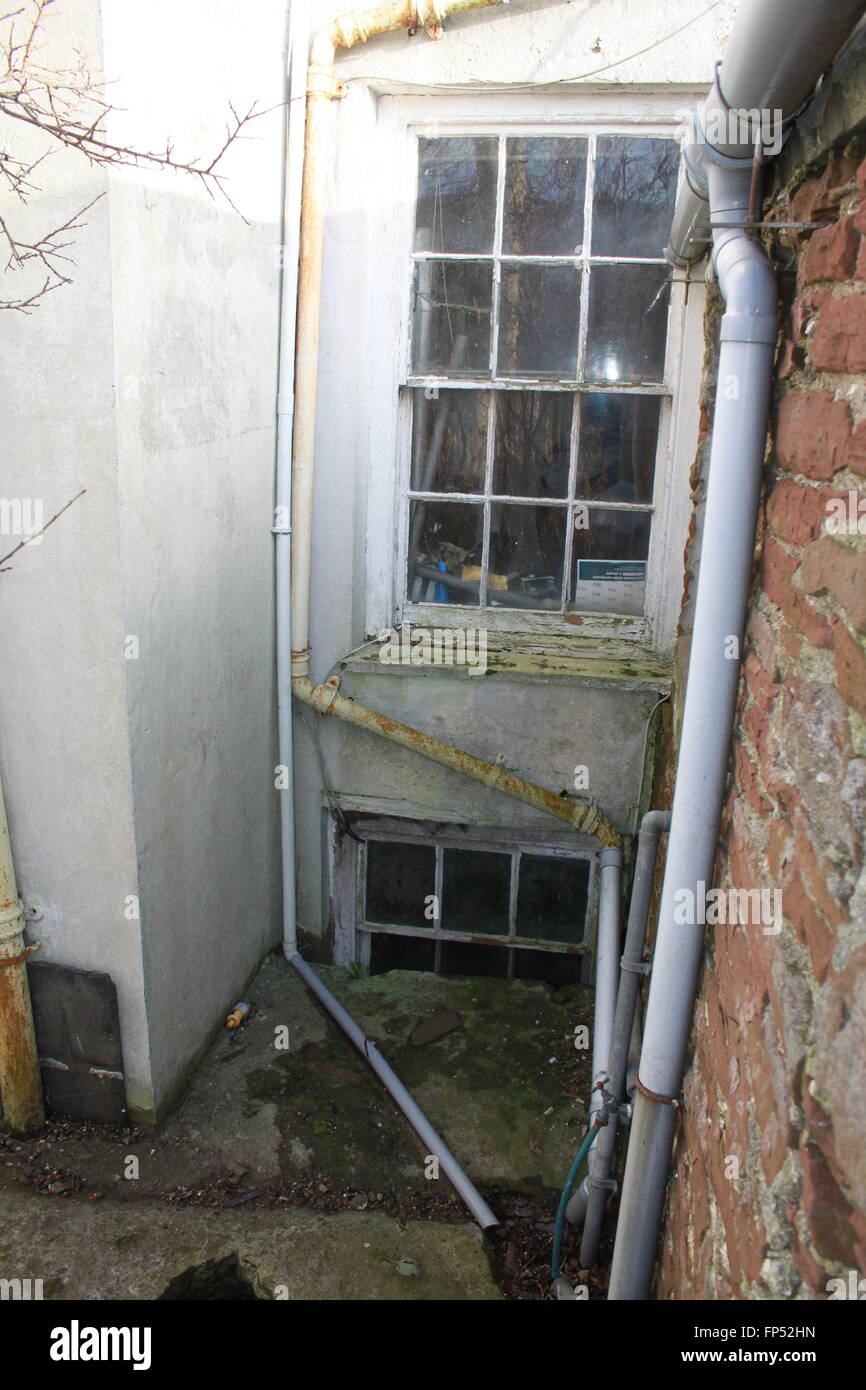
x=215 y=1279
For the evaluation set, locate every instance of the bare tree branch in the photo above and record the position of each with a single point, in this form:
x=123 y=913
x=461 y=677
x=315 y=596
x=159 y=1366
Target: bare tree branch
x=68 y=105
x=40 y=532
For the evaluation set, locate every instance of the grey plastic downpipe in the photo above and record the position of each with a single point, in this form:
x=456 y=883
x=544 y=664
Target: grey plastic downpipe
x=777 y=51
x=748 y=338
x=588 y=1203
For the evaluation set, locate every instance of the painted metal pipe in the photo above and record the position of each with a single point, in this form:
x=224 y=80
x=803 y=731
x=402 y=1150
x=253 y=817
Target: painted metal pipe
x=299 y=323
x=606 y=972
x=20 y=1081
x=435 y=1145
x=584 y=816
x=597 y=1184
x=299 y=38
x=776 y=53
x=348 y=30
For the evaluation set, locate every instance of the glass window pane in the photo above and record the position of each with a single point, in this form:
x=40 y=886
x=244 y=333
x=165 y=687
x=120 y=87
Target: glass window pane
x=608 y=566
x=545 y=181
x=628 y=314
x=634 y=192
x=449 y=441
x=456 y=207
x=399 y=878
x=539 y=314
x=527 y=549
x=445 y=540
x=451 y=318
x=475 y=892
x=533 y=443
x=551 y=898
x=390 y=952
x=461 y=958
x=617 y=447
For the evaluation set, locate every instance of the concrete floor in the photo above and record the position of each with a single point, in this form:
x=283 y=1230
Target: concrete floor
x=287 y=1171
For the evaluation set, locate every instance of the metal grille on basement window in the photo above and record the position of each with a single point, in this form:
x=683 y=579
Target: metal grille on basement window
x=510 y=911
x=539 y=330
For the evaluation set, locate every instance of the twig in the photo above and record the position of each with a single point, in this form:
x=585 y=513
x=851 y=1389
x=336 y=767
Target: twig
x=40 y=532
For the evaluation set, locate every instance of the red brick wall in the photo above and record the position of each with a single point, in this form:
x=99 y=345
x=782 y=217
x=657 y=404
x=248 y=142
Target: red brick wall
x=769 y=1189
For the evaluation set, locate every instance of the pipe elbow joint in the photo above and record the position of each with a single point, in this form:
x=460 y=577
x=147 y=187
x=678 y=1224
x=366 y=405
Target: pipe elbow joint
x=748 y=284
x=654 y=822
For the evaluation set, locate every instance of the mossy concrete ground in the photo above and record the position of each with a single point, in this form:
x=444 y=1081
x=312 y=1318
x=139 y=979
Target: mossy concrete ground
x=285 y=1105
x=148 y=1251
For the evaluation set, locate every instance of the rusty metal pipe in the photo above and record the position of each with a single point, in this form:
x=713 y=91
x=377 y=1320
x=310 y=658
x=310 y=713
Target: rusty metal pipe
x=20 y=1083
x=583 y=816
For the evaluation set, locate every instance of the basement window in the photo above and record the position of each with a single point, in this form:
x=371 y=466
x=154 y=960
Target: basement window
x=511 y=909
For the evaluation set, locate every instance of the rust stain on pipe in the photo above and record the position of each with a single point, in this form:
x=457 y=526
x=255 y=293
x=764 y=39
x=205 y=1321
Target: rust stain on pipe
x=20 y=1082
x=583 y=816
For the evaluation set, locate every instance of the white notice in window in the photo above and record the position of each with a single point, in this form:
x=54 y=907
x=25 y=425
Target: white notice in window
x=610 y=586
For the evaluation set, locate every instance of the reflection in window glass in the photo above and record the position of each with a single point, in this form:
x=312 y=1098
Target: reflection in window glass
x=451 y=317
x=635 y=189
x=527 y=546
x=628 y=313
x=456 y=205
x=445 y=552
x=539 y=316
x=545 y=183
x=533 y=443
x=449 y=441
x=475 y=892
x=617 y=446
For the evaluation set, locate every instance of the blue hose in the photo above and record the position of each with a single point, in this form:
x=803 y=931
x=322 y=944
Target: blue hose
x=556 y=1257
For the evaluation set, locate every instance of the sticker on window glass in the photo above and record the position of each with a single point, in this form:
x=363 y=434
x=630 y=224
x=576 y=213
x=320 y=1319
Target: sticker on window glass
x=610 y=586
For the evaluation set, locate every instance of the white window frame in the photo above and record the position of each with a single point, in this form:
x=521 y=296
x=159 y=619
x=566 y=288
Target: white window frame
x=400 y=120
x=347 y=859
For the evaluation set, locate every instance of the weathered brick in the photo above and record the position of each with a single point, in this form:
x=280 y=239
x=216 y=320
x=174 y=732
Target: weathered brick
x=796 y=513
x=837 y=570
x=814 y=874
x=850 y=660
x=828 y=1212
x=831 y=253
x=839 y=342
x=804 y=310
x=812 y=433
x=810 y=927
x=855 y=453
x=777 y=574
x=822 y=194
x=748 y=780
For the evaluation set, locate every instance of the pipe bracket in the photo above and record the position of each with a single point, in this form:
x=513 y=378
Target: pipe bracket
x=655 y=1096
x=635 y=967
x=22 y=956
x=322 y=81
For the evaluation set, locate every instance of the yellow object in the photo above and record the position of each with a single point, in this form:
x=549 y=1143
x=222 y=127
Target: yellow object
x=494 y=581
